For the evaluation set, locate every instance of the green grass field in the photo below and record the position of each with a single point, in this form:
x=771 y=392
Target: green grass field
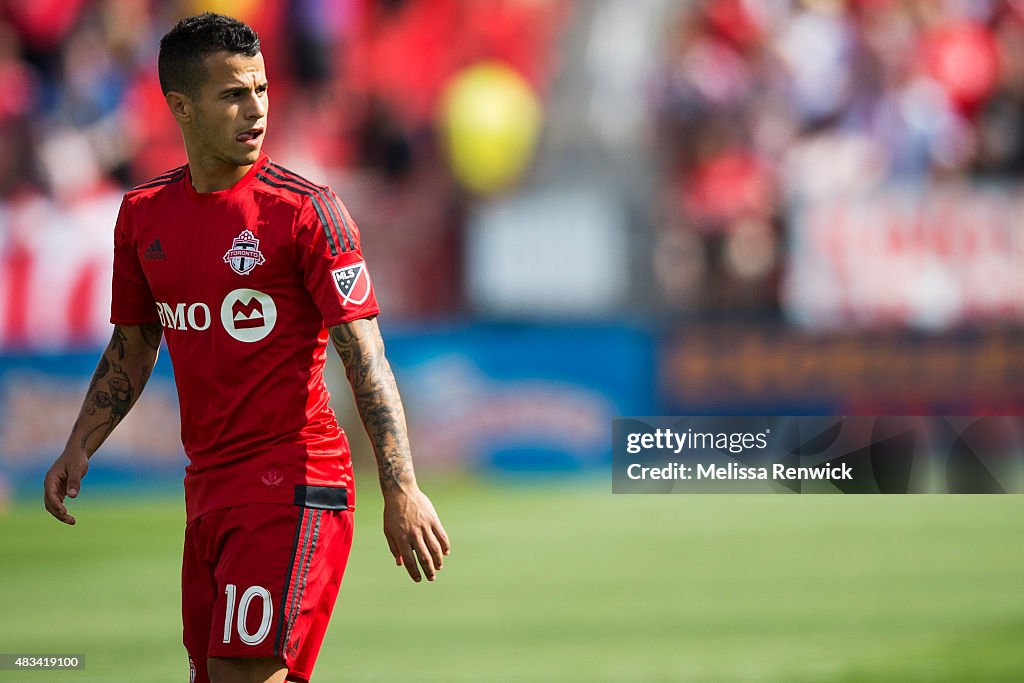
x=557 y=583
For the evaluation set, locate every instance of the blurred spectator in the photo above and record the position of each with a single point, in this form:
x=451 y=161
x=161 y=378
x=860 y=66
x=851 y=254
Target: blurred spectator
x=356 y=94
x=757 y=108
x=18 y=100
x=765 y=103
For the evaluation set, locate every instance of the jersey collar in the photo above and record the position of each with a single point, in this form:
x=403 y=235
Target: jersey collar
x=242 y=183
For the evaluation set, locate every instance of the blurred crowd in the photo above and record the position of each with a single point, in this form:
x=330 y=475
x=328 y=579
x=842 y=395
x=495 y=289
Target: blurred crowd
x=763 y=104
x=356 y=83
x=357 y=93
x=754 y=107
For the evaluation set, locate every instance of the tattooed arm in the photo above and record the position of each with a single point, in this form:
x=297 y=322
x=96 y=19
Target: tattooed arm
x=411 y=525
x=120 y=377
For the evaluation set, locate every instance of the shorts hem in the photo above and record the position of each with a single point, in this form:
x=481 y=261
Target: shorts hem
x=293 y=675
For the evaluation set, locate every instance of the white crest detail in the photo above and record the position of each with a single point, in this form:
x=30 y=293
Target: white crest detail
x=244 y=254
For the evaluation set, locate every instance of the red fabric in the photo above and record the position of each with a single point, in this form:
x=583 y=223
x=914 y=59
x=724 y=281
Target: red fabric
x=733 y=19
x=294 y=555
x=726 y=187
x=964 y=59
x=18 y=95
x=152 y=126
x=43 y=24
x=403 y=56
x=249 y=347
x=17 y=265
x=80 y=312
x=406 y=57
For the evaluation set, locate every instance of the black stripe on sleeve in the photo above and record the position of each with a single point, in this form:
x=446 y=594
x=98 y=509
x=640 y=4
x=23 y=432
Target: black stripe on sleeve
x=174 y=171
x=165 y=179
x=316 y=206
x=166 y=174
x=344 y=222
x=318 y=192
x=324 y=194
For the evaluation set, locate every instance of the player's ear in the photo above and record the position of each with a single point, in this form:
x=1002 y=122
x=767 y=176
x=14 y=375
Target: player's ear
x=180 y=105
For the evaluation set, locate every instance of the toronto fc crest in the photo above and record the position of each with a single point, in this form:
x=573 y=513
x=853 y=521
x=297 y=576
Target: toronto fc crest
x=244 y=254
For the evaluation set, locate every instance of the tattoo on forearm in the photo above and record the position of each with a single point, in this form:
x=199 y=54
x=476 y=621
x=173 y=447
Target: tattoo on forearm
x=358 y=364
x=101 y=399
x=385 y=426
x=102 y=368
x=112 y=390
x=120 y=393
x=378 y=401
x=117 y=341
x=118 y=400
x=151 y=334
x=147 y=370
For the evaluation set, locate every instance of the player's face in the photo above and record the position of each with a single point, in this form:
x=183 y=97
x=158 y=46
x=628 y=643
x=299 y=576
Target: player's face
x=230 y=110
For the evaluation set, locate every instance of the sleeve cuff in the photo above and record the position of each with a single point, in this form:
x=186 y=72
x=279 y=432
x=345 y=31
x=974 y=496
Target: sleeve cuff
x=358 y=315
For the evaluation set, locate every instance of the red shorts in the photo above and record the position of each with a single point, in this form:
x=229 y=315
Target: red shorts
x=261 y=580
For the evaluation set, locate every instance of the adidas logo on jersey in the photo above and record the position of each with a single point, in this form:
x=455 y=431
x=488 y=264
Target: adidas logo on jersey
x=154 y=252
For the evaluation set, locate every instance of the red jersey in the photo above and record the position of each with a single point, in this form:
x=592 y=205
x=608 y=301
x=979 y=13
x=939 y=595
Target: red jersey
x=245 y=283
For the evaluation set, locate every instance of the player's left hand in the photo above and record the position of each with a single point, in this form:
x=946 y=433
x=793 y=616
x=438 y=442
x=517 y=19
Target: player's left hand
x=64 y=479
x=414 y=531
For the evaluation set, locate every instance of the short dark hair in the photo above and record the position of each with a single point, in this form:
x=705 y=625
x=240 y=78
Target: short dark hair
x=185 y=46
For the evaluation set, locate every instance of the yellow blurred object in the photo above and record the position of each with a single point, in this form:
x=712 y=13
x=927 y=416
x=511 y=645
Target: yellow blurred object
x=490 y=116
x=239 y=9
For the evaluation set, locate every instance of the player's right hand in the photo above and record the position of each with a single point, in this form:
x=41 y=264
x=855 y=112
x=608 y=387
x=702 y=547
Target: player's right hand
x=64 y=479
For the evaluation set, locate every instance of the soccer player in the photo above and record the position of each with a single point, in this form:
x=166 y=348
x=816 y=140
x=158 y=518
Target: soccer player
x=247 y=269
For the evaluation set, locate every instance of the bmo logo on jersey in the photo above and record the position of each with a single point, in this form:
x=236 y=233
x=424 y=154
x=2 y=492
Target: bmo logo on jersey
x=248 y=315
x=183 y=316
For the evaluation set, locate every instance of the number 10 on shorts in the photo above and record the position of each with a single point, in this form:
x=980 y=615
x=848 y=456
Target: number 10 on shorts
x=243 y=612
